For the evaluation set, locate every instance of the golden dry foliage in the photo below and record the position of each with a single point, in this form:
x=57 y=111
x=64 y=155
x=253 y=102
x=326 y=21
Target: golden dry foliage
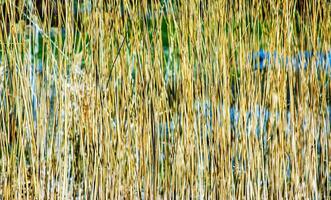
x=158 y=99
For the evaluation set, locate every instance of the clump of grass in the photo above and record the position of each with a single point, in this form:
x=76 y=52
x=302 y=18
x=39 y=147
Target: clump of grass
x=141 y=99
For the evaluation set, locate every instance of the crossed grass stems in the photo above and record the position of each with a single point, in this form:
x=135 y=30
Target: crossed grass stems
x=144 y=135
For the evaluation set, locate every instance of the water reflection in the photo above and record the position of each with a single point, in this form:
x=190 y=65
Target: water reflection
x=264 y=59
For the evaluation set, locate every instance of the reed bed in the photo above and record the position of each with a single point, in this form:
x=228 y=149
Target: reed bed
x=163 y=99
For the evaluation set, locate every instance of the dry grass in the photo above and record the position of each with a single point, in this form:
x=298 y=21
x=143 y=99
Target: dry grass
x=159 y=101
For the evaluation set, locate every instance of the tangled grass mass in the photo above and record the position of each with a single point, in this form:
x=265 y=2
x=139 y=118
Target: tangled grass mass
x=165 y=99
